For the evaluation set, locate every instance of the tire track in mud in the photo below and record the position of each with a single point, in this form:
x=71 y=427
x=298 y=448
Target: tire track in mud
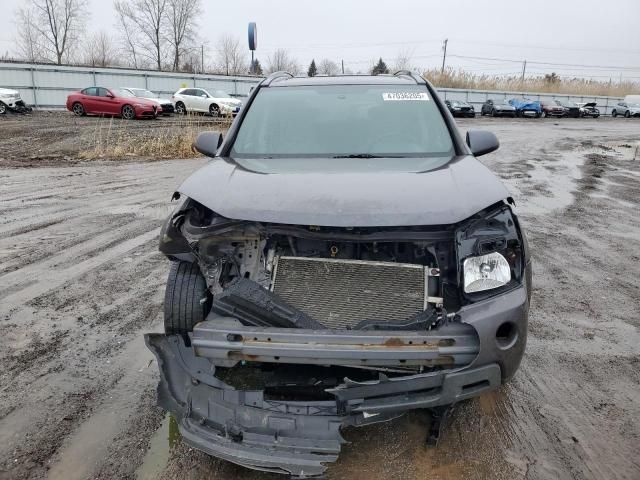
x=72 y=316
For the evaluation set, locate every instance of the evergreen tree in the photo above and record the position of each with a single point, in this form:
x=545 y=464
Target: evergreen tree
x=257 y=68
x=379 y=68
x=313 y=71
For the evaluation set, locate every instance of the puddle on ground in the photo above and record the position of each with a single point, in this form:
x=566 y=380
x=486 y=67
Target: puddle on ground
x=162 y=441
x=553 y=182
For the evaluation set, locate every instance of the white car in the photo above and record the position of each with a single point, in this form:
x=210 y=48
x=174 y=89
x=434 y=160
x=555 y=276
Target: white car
x=10 y=100
x=200 y=100
x=165 y=105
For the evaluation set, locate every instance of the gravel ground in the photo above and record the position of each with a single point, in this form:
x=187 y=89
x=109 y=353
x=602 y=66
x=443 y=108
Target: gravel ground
x=81 y=281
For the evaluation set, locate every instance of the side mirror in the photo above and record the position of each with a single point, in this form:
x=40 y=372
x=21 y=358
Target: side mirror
x=110 y=95
x=482 y=142
x=207 y=143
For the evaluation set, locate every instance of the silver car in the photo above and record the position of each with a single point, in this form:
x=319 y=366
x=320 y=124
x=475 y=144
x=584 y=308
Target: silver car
x=626 y=109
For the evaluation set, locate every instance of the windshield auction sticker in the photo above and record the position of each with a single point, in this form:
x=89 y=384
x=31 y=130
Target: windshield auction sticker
x=405 y=96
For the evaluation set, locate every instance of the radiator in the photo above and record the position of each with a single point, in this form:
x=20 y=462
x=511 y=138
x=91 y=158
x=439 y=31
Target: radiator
x=341 y=293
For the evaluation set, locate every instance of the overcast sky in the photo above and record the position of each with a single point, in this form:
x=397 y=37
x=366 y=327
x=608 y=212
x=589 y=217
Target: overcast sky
x=598 y=38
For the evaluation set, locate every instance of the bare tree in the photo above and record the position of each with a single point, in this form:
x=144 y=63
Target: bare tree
x=29 y=40
x=182 y=16
x=130 y=37
x=230 y=57
x=328 y=67
x=148 y=17
x=403 y=60
x=281 y=60
x=100 y=51
x=54 y=28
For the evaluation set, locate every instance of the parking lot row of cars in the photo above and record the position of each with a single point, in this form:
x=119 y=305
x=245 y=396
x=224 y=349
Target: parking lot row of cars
x=130 y=103
x=521 y=107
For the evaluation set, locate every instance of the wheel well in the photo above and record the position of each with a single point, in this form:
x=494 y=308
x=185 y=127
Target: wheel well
x=127 y=105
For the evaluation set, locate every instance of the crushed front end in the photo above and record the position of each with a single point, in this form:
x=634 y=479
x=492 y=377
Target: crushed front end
x=308 y=329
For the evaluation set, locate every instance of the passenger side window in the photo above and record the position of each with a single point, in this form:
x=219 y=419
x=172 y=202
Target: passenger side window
x=92 y=91
x=102 y=92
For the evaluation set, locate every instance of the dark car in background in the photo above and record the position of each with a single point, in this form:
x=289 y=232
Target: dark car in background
x=498 y=108
x=550 y=108
x=459 y=108
x=526 y=108
x=319 y=281
x=111 y=102
x=588 y=109
x=571 y=109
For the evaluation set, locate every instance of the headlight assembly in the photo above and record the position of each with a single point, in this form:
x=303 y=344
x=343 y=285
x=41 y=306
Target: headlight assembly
x=486 y=272
x=490 y=252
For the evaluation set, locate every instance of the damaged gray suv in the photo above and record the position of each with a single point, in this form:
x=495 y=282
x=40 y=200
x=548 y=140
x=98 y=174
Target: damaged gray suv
x=342 y=259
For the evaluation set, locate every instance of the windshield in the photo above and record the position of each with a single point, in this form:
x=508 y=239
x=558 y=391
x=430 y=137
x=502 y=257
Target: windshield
x=142 y=93
x=221 y=94
x=118 y=92
x=501 y=102
x=330 y=121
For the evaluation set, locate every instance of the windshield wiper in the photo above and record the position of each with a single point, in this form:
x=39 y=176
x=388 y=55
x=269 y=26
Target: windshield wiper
x=367 y=155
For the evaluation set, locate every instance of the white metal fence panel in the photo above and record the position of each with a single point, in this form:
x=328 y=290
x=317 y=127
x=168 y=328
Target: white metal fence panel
x=47 y=86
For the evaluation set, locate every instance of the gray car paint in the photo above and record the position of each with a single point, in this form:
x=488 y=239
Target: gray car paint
x=356 y=197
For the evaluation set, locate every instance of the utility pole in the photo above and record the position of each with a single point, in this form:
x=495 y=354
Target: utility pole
x=444 y=56
x=524 y=69
x=202 y=58
x=343 y=66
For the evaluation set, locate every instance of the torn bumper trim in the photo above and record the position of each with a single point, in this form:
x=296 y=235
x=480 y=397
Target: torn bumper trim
x=298 y=438
x=226 y=343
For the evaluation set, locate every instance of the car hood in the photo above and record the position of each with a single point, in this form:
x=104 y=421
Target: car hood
x=144 y=101
x=230 y=101
x=522 y=104
x=156 y=101
x=350 y=198
x=5 y=92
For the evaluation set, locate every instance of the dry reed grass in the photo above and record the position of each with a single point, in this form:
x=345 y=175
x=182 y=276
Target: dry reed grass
x=153 y=139
x=576 y=86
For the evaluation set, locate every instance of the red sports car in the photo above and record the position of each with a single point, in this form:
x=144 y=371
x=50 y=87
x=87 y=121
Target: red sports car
x=111 y=101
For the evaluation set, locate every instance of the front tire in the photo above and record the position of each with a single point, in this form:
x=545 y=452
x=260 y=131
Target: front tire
x=627 y=114
x=187 y=300
x=128 y=113
x=78 y=109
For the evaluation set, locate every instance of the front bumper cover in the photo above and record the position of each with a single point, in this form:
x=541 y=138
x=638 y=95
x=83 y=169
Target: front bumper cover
x=300 y=437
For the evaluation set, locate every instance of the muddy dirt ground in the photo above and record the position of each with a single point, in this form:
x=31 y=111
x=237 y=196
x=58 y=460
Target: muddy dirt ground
x=81 y=281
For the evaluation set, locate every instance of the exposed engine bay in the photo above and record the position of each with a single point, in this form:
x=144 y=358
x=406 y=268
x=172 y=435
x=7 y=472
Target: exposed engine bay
x=353 y=278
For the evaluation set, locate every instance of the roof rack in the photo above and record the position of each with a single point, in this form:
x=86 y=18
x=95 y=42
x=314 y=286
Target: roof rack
x=276 y=76
x=410 y=74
